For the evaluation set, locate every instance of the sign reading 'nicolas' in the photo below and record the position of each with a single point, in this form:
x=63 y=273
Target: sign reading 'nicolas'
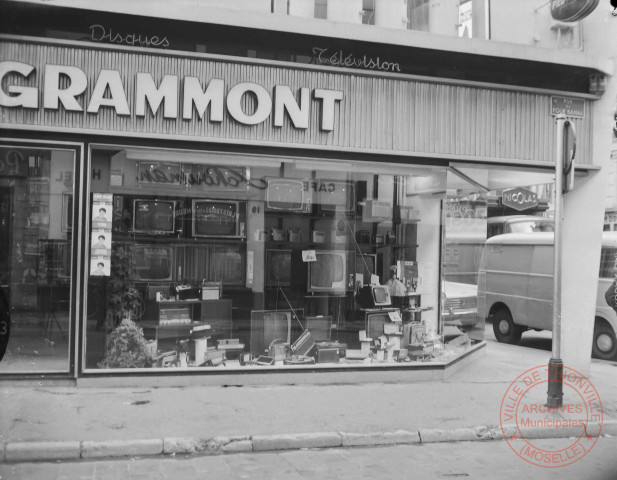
x=519 y=198
x=572 y=10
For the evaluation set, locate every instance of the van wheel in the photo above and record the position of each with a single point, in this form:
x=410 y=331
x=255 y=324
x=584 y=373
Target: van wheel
x=504 y=328
x=604 y=342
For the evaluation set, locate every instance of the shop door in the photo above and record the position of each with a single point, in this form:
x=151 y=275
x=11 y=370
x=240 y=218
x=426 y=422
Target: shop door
x=36 y=257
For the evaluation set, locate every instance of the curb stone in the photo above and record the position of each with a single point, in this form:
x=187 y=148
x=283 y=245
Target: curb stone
x=262 y=443
x=173 y=445
x=121 y=448
x=13 y=452
x=34 y=451
x=380 y=438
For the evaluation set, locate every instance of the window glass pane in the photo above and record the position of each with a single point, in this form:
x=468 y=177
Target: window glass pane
x=224 y=260
x=36 y=228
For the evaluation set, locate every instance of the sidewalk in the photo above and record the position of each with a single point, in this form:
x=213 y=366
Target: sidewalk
x=46 y=422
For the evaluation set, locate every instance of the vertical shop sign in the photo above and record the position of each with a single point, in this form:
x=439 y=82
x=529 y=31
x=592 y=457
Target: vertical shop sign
x=100 y=236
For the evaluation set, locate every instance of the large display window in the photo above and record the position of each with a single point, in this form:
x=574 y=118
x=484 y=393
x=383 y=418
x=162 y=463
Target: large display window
x=36 y=257
x=202 y=260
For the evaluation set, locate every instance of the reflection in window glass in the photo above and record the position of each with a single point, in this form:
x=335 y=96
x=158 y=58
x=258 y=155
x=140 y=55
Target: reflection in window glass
x=36 y=214
x=202 y=260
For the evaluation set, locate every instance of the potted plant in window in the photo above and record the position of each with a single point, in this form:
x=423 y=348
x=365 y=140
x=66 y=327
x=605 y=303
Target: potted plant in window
x=126 y=346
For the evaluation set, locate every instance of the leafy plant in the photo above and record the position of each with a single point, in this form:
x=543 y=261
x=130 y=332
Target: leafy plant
x=126 y=347
x=123 y=300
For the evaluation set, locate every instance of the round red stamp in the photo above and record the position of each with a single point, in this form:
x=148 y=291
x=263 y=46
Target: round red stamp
x=525 y=417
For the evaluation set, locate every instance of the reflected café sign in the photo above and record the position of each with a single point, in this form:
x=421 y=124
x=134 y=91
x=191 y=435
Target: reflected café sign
x=519 y=199
x=572 y=10
x=176 y=96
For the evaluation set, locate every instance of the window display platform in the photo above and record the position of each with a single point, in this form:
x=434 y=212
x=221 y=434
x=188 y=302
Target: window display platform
x=315 y=374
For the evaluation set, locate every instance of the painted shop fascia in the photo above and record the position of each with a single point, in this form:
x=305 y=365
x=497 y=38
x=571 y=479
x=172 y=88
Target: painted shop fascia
x=65 y=86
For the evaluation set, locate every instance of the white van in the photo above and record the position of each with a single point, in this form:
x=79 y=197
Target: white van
x=515 y=288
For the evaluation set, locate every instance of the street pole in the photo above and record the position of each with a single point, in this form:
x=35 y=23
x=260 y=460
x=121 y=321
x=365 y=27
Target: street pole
x=555 y=364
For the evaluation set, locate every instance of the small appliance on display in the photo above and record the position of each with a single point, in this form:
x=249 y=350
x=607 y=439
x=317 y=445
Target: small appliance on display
x=374 y=296
x=319 y=237
x=211 y=290
x=376 y=210
x=341 y=348
x=339 y=236
x=277 y=235
x=299 y=360
x=304 y=345
x=294 y=235
x=187 y=292
x=327 y=355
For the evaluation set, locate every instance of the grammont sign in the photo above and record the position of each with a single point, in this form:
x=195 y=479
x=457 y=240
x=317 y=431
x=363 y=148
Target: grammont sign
x=519 y=198
x=109 y=92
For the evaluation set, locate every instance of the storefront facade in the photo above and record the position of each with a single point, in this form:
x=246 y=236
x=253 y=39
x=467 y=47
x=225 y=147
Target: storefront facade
x=246 y=215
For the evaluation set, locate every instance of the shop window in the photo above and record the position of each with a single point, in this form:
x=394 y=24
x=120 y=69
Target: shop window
x=205 y=260
x=36 y=257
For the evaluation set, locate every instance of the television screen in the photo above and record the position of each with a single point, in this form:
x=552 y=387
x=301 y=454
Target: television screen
x=216 y=218
x=371 y=296
x=366 y=264
x=375 y=322
x=328 y=273
x=270 y=325
x=278 y=268
x=320 y=327
x=151 y=262
x=336 y=196
x=153 y=216
x=287 y=194
x=229 y=264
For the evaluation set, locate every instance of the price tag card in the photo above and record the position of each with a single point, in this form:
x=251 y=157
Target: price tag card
x=309 y=256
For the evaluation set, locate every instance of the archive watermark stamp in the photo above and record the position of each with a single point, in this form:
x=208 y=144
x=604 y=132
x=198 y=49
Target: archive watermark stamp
x=525 y=417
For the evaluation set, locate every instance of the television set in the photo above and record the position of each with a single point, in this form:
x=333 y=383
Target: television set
x=320 y=327
x=375 y=322
x=150 y=263
x=374 y=296
x=336 y=196
x=270 y=325
x=154 y=216
x=328 y=273
x=229 y=264
x=216 y=218
x=288 y=194
x=278 y=268
x=366 y=265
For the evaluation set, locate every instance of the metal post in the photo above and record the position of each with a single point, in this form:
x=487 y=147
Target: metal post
x=555 y=365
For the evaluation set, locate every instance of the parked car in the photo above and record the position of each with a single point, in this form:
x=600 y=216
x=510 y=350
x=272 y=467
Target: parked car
x=515 y=288
x=460 y=305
